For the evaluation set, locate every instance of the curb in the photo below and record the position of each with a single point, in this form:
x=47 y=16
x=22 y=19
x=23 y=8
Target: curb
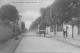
x=13 y=48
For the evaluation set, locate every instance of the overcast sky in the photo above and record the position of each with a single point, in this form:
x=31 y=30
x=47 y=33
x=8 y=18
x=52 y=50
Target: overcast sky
x=29 y=9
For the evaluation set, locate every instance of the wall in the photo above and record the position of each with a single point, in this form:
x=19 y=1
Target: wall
x=5 y=33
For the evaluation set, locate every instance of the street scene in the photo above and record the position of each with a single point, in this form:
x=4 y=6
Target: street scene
x=39 y=26
x=34 y=43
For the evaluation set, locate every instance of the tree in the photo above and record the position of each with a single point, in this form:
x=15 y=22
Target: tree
x=9 y=13
x=49 y=17
x=46 y=18
x=22 y=26
x=35 y=23
x=45 y=15
x=67 y=9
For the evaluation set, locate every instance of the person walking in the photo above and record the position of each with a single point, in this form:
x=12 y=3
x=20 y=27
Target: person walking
x=65 y=33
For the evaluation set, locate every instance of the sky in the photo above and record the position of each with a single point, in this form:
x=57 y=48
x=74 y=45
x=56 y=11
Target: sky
x=29 y=9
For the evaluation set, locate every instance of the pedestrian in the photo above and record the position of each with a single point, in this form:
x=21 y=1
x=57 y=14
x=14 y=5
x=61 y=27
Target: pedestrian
x=64 y=33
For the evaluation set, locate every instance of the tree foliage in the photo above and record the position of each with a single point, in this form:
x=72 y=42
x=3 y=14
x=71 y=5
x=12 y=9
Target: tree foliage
x=35 y=23
x=9 y=13
x=67 y=9
x=59 y=12
x=46 y=16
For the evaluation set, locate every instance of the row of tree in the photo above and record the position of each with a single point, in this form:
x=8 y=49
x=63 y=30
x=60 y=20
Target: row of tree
x=61 y=11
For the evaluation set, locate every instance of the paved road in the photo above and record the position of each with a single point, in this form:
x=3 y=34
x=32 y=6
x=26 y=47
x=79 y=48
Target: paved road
x=33 y=43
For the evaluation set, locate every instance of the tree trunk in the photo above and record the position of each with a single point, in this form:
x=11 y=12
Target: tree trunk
x=72 y=31
x=55 y=29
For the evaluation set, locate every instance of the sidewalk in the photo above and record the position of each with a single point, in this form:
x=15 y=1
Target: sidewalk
x=8 y=47
x=73 y=41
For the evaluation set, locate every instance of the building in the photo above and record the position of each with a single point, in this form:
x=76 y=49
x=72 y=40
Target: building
x=59 y=30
